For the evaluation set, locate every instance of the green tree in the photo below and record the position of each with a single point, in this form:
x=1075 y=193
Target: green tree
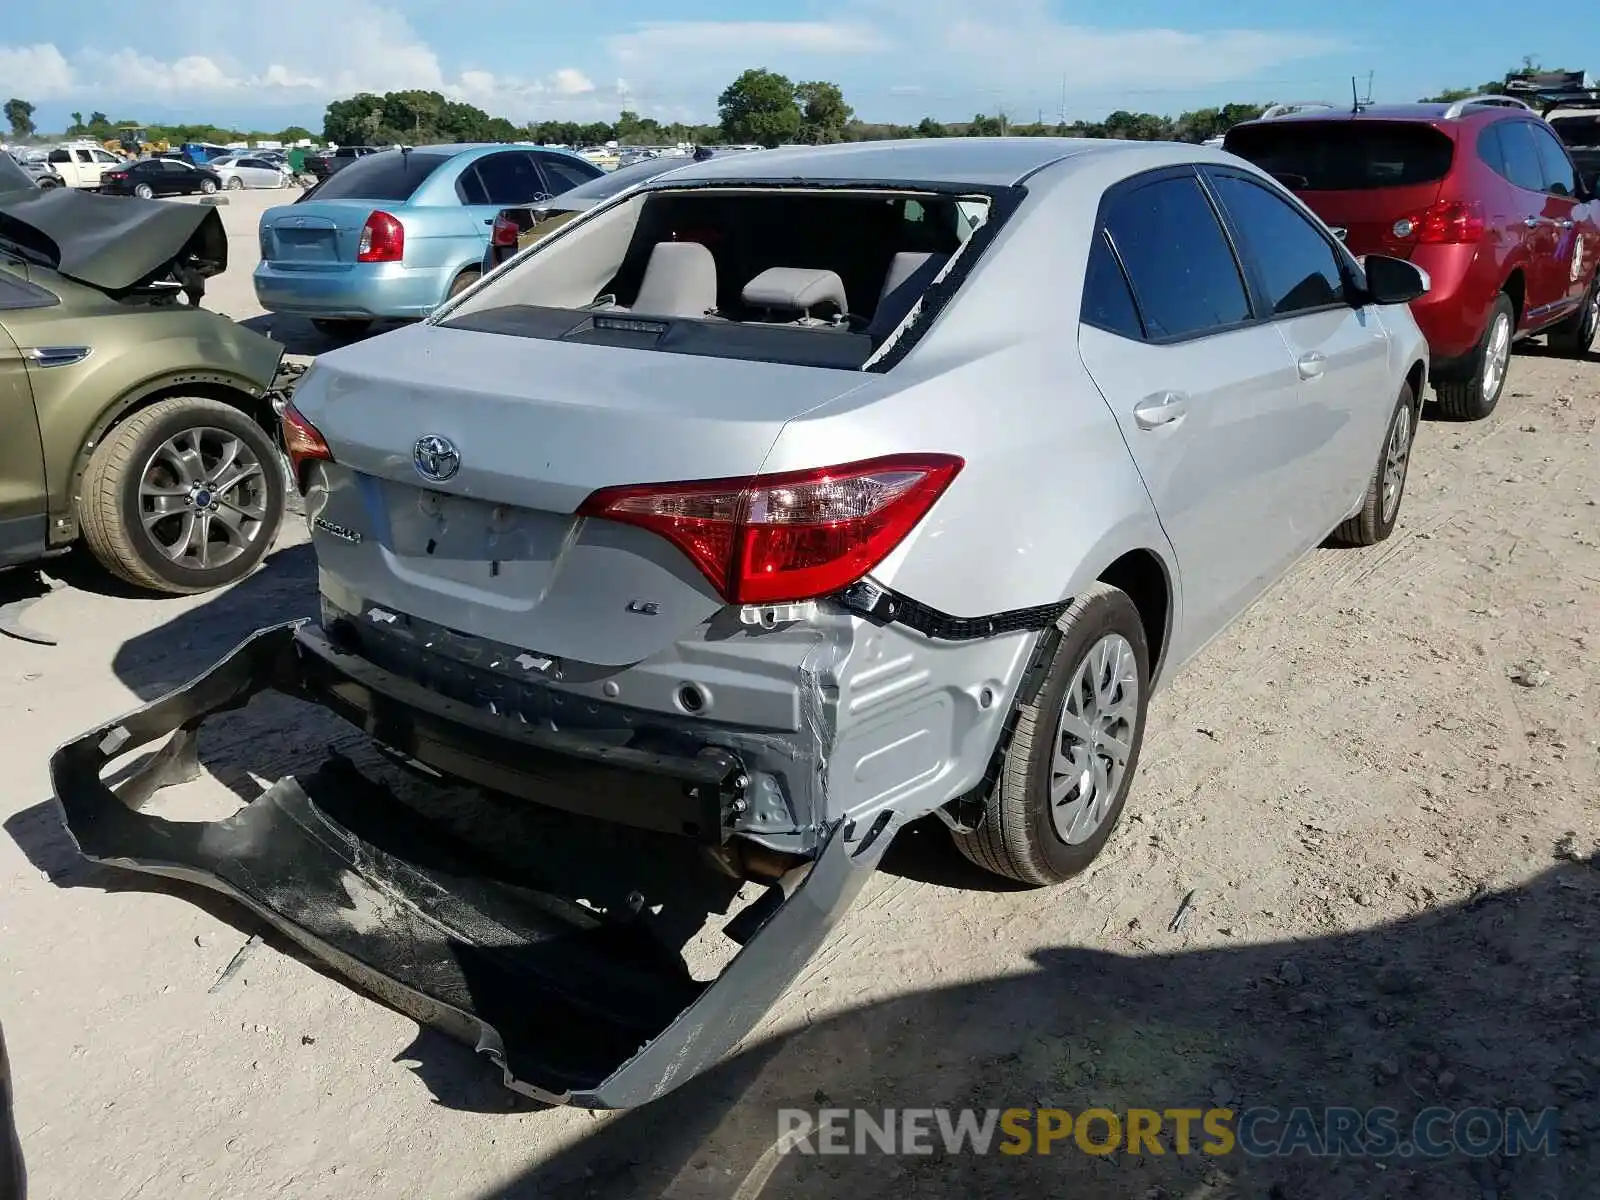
x=77 y=125
x=293 y=134
x=982 y=126
x=20 y=114
x=759 y=107
x=98 y=125
x=823 y=112
x=928 y=127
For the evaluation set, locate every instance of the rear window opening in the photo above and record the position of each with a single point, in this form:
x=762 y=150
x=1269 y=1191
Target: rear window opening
x=393 y=176
x=1342 y=156
x=805 y=276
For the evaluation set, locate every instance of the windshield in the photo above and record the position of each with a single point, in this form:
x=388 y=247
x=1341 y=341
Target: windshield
x=1581 y=131
x=1341 y=156
x=393 y=175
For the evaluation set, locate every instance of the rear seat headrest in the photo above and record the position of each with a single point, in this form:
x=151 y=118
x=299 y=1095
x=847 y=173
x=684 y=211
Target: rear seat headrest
x=796 y=289
x=680 y=280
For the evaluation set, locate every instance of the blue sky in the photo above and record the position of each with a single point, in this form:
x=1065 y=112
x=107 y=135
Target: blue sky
x=268 y=63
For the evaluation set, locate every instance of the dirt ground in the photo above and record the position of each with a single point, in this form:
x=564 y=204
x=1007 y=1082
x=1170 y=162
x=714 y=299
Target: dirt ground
x=1382 y=785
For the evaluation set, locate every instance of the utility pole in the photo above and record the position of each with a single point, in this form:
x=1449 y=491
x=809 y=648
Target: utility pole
x=1063 y=116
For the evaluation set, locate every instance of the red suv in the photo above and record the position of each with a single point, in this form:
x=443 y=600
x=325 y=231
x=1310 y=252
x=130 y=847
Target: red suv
x=1481 y=195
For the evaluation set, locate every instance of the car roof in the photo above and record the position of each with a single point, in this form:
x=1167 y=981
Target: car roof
x=1428 y=112
x=979 y=161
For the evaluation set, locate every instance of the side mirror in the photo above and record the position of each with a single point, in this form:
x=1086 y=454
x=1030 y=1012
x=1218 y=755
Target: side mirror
x=1393 y=280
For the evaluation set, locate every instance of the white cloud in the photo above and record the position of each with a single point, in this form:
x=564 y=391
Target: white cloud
x=948 y=55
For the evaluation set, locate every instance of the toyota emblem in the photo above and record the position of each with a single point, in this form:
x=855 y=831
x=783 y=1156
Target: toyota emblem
x=436 y=458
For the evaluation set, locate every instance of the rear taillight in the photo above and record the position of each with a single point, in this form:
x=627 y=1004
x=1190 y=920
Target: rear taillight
x=505 y=232
x=383 y=239
x=1449 y=222
x=790 y=537
x=302 y=441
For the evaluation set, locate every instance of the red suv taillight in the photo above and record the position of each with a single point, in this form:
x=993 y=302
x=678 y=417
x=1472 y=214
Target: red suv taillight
x=302 y=441
x=1449 y=222
x=383 y=239
x=505 y=232
x=791 y=537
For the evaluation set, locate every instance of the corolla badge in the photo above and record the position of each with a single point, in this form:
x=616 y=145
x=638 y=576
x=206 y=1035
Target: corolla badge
x=436 y=458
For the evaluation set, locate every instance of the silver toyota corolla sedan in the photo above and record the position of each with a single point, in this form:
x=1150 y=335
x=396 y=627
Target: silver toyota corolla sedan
x=786 y=500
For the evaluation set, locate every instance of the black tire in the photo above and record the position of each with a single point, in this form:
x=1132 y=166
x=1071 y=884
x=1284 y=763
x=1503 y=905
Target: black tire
x=1471 y=399
x=110 y=507
x=234 y=183
x=1376 y=520
x=340 y=327
x=463 y=281
x=208 y=186
x=1573 y=337
x=1017 y=835
x=144 y=191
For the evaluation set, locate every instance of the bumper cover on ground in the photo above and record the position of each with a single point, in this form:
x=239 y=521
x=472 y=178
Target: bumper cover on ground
x=570 y=1006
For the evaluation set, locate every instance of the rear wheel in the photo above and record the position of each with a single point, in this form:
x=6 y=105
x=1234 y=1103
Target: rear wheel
x=463 y=281
x=1575 y=335
x=144 y=191
x=1381 y=508
x=1073 y=751
x=183 y=496
x=340 y=327
x=1474 y=398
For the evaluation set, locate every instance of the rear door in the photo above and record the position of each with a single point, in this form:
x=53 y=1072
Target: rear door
x=1569 y=219
x=1359 y=175
x=1524 y=170
x=499 y=181
x=1205 y=392
x=1341 y=352
x=562 y=173
x=88 y=169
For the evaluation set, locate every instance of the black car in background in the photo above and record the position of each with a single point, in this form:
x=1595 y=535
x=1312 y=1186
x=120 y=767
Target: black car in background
x=325 y=164
x=159 y=177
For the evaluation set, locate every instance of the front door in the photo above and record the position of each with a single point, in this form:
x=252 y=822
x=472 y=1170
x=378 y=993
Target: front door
x=1341 y=351
x=1205 y=392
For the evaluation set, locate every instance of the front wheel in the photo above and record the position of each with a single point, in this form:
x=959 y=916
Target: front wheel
x=1072 y=754
x=1573 y=337
x=144 y=191
x=234 y=183
x=208 y=186
x=183 y=496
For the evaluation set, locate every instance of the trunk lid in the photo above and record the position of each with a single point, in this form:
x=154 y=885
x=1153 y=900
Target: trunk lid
x=315 y=233
x=495 y=549
x=1365 y=220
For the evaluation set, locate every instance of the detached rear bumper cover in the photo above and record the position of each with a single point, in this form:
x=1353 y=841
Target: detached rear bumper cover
x=522 y=975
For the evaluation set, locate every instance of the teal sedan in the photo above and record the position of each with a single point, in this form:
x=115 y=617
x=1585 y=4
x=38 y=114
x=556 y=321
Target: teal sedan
x=395 y=234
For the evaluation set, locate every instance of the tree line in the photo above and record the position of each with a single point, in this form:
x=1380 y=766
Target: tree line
x=760 y=107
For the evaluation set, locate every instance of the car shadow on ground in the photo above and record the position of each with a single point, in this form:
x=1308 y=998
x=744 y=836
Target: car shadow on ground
x=1488 y=1003
x=298 y=336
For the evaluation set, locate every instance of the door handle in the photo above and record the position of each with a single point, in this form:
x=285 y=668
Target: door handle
x=1311 y=364
x=1566 y=224
x=1163 y=408
x=1533 y=222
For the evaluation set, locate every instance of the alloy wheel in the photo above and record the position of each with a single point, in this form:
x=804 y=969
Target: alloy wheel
x=1496 y=356
x=203 y=498
x=1094 y=738
x=1396 y=458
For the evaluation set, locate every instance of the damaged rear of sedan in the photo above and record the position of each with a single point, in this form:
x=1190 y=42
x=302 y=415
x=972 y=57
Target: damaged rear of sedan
x=755 y=514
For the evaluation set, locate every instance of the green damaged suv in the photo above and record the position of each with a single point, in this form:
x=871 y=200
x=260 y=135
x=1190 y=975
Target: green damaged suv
x=130 y=417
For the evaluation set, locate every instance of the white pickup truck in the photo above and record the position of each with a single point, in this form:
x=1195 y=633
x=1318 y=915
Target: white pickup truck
x=82 y=166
